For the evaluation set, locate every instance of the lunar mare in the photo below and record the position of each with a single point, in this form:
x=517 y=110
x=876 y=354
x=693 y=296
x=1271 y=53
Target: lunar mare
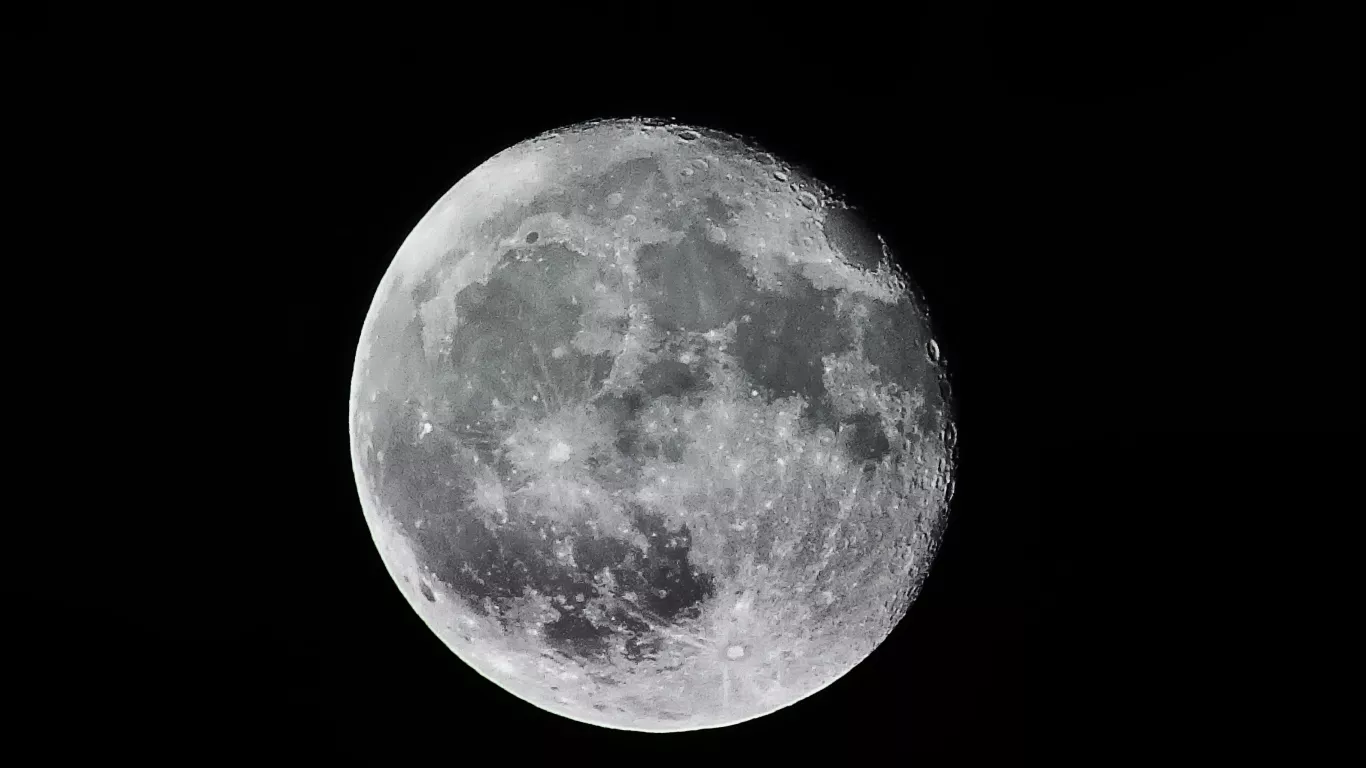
x=650 y=429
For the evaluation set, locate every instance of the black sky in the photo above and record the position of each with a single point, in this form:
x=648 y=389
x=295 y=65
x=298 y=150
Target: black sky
x=1111 y=217
x=1121 y=222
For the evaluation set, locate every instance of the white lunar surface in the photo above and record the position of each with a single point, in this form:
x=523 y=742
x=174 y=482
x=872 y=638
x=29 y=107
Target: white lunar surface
x=650 y=429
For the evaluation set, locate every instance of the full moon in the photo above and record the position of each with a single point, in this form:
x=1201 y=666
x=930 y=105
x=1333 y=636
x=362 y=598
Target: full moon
x=650 y=428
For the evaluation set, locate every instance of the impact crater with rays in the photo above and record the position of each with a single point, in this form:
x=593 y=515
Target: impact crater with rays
x=650 y=428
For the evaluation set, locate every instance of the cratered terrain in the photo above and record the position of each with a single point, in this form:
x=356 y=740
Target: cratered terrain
x=650 y=428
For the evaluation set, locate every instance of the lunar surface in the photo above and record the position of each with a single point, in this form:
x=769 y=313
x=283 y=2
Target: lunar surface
x=650 y=428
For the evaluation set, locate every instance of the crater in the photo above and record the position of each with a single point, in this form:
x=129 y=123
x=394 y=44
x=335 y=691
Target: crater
x=864 y=439
x=622 y=185
x=853 y=238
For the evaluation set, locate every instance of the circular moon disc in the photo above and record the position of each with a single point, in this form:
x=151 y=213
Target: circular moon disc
x=649 y=427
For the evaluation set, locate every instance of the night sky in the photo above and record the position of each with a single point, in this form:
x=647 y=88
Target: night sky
x=1120 y=221
x=1101 y=214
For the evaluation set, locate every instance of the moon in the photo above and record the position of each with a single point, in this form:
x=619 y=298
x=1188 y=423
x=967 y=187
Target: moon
x=650 y=428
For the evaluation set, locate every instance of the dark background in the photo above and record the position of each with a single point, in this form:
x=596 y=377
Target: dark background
x=1121 y=222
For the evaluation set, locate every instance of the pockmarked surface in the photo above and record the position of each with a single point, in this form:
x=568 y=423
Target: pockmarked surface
x=650 y=429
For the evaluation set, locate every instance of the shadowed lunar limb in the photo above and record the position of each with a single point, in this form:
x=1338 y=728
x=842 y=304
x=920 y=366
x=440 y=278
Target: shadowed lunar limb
x=645 y=429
